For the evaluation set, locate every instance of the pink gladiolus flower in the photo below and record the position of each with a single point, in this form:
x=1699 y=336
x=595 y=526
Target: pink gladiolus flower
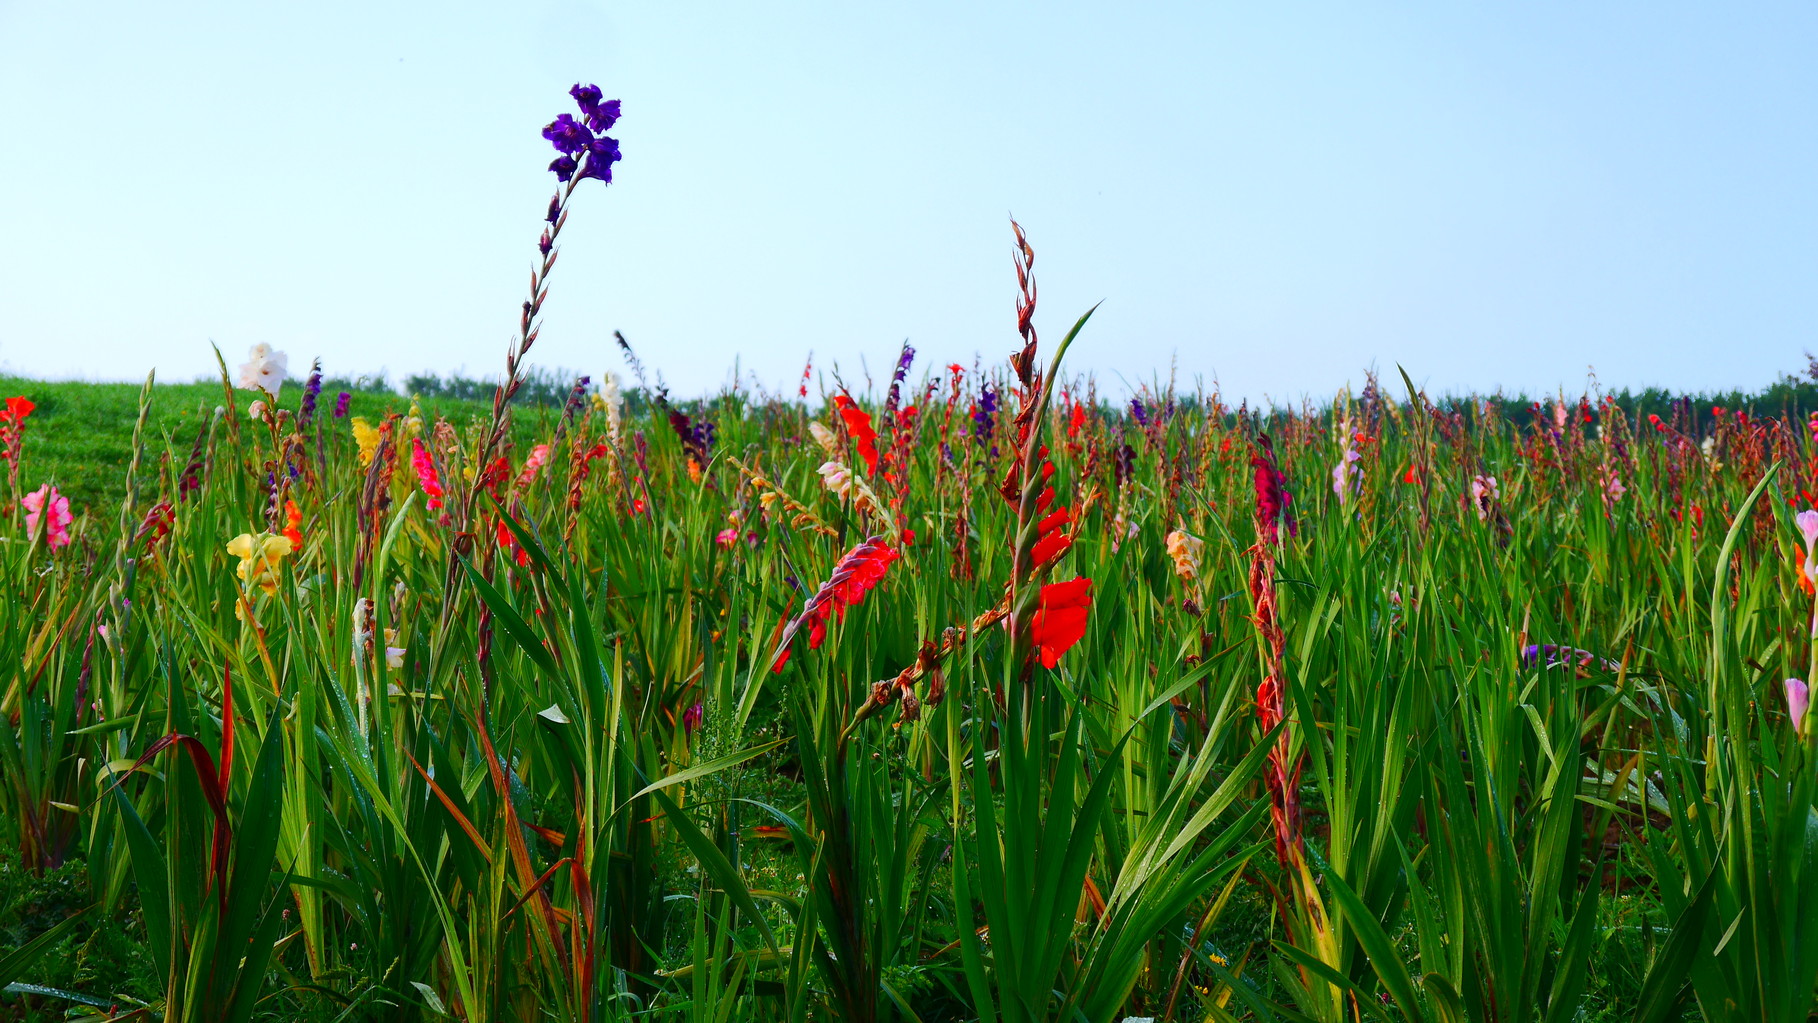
x=426 y=474
x=727 y=537
x=48 y=512
x=1798 y=698
x=533 y=464
x=1807 y=521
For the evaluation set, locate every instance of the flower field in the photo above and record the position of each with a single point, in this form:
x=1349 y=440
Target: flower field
x=969 y=696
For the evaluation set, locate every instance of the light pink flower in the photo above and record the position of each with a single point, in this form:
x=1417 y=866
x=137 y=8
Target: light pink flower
x=1807 y=521
x=1798 y=698
x=46 y=508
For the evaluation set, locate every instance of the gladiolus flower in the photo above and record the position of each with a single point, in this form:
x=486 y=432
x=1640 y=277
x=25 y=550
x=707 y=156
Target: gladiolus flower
x=264 y=370
x=1807 y=521
x=426 y=474
x=1484 y=494
x=1075 y=421
x=509 y=544
x=366 y=437
x=260 y=556
x=858 y=424
x=1060 y=619
x=533 y=465
x=1272 y=497
x=47 y=513
x=1053 y=542
x=727 y=537
x=1798 y=699
x=293 y=524
x=1185 y=549
x=16 y=410
x=856 y=573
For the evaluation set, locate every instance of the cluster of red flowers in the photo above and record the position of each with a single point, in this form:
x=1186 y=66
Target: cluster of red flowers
x=861 y=569
x=12 y=426
x=858 y=424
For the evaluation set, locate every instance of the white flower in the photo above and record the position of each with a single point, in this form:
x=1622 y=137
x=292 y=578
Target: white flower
x=825 y=438
x=264 y=370
x=612 y=401
x=256 y=411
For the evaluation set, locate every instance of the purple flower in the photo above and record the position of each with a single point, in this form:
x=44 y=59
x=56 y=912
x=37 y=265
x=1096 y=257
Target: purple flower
x=341 y=402
x=600 y=115
x=692 y=717
x=602 y=153
x=984 y=417
x=894 y=399
x=311 y=390
x=1137 y=410
x=544 y=243
x=563 y=166
x=703 y=435
x=568 y=135
x=555 y=205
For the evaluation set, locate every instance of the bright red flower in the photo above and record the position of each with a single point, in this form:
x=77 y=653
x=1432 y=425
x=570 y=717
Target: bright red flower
x=858 y=424
x=861 y=569
x=16 y=410
x=1053 y=540
x=1077 y=420
x=1060 y=620
x=509 y=543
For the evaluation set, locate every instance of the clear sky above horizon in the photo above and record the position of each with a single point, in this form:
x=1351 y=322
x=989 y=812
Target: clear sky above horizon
x=1278 y=196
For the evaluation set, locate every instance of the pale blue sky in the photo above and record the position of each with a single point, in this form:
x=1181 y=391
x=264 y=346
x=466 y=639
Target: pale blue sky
x=1278 y=194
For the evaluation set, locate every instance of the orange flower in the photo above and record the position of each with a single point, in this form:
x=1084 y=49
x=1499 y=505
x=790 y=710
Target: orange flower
x=1060 y=620
x=293 y=524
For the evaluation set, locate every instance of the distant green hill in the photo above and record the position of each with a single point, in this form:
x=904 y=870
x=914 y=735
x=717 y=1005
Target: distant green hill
x=80 y=436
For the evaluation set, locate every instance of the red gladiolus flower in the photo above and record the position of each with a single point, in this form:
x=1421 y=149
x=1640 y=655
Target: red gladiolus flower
x=1053 y=541
x=1075 y=421
x=16 y=410
x=1060 y=620
x=509 y=543
x=861 y=569
x=858 y=423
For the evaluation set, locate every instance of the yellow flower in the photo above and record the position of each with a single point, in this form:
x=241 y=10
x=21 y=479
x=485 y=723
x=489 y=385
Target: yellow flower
x=260 y=555
x=366 y=437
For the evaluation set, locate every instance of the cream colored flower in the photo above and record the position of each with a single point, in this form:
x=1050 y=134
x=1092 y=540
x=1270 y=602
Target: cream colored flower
x=825 y=438
x=1185 y=549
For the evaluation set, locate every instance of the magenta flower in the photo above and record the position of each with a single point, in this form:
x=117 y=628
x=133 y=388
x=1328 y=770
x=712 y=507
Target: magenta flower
x=1798 y=698
x=47 y=512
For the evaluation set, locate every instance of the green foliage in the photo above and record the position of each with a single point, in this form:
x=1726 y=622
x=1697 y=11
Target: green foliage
x=528 y=754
